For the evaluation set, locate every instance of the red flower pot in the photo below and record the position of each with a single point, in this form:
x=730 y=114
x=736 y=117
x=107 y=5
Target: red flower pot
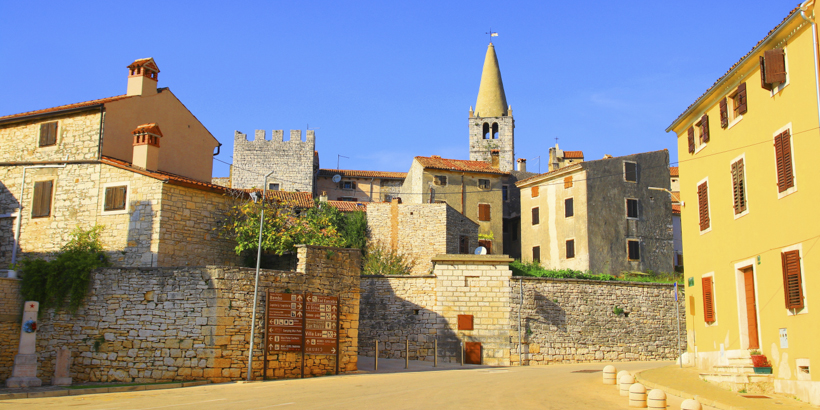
x=759 y=360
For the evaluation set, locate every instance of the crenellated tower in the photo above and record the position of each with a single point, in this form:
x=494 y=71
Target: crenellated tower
x=491 y=123
x=294 y=163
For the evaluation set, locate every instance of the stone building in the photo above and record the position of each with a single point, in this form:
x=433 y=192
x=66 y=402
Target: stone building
x=294 y=162
x=138 y=163
x=359 y=186
x=421 y=231
x=560 y=158
x=601 y=216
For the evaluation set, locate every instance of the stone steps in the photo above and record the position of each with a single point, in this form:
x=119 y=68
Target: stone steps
x=739 y=375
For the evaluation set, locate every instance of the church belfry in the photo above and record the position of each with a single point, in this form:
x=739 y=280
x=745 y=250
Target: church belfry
x=491 y=123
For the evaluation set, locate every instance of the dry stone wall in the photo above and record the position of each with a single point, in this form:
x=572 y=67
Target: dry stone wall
x=11 y=307
x=293 y=162
x=78 y=138
x=164 y=324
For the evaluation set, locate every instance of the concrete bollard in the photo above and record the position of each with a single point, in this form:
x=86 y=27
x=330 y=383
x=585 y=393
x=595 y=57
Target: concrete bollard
x=618 y=377
x=609 y=375
x=624 y=382
x=656 y=399
x=637 y=396
x=690 y=404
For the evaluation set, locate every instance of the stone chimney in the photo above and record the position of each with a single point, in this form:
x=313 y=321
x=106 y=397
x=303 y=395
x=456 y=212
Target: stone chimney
x=522 y=164
x=323 y=197
x=142 y=77
x=146 y=147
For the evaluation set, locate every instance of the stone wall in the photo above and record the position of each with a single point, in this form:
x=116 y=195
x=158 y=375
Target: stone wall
x=164 y=324
x=294 y=162
x=78 y=136
x=481 y=149
x=11 y=307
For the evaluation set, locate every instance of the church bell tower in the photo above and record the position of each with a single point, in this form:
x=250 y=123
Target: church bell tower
x=491 y=123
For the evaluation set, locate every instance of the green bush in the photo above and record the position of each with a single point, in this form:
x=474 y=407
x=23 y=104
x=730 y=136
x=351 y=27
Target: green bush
x=533 y=269
x=379 y=260
x=63 y=282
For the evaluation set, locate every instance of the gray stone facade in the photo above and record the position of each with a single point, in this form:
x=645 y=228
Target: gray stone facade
x=482 y=145
x=294 y=163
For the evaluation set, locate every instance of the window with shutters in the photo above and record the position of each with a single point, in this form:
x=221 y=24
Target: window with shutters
x=708 y=289
x=484 y=183
x=633 y=249
x=568 y=182
x=115 y=198
x=630 y=171
x=349 y=185
x=48 y=134
x=484 y=212
x=784 y=161
x=569 y=208
x=631 y=208
x=41 y=201
x=534 y=191
x=536 y=254
x=440 y=179
x=535 y=217
x=733 y=107
x=700 y=133
x=570 y=248
x=738 y=171
x=793 y=279
x=703 y=206
x=774 y=69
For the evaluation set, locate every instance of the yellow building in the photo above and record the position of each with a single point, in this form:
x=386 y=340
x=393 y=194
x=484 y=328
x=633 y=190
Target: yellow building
x=748 y=187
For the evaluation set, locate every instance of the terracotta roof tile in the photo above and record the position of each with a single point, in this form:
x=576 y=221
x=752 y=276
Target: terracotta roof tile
x=675 y=209
x=458 y=165
x=166 y=176
x=574 y=154
x=673 y=172
x=347 y=206
x=366 y=174
x=66 y=107
x=562 y=169
x=675 y=197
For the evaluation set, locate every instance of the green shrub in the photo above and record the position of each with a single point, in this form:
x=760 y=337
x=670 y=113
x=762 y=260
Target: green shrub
x=63 y=282
x=380 y=260
x=533 y=269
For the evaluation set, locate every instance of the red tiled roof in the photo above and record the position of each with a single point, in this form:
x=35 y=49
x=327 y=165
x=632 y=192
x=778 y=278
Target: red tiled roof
x=675 y=209
x=673 y=172
x=67 y=107
x=151 y=128
x=562 y=169
x=366 y=174
x=574 y=154
x=347 y=206
x=735 y=65
x=675 y=196
x=165 y=176
x=458 y=165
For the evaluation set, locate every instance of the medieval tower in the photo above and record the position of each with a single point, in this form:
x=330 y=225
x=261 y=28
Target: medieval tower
x=491 y=123
x=294 y=163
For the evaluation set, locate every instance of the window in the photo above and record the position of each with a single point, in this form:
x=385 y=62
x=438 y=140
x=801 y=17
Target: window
x=773 y=69
x=702 y=127
x=535 y=216
x=630 y=171
x=703 y=206
x=534 y=191
x=348 y=184
x=41 y=203
x=783 y=159
x=734 y=107
x=792 y=279
x=738 y=186
x=708 y=299
x=48 y=134
x=568 y=182
x=485 y=131
x=486 y=244
x=570 y=248
x=536 y=254
x=440 y=179
x=273 y=187
x=483 y=212
x=464 y=244
x=484 y=183
x=388 y=198
x=632 y=208
x=505 y=192
x=633 y=249
x=115 y=198
x=495 y=130
x=568 y=208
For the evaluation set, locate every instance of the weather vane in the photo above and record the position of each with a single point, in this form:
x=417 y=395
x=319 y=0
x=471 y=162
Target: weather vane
x=492 y=34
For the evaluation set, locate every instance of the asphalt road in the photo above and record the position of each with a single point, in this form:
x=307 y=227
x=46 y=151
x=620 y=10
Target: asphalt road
x=556 y=387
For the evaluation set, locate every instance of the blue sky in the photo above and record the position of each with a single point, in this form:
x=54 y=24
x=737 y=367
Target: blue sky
x=382 y=82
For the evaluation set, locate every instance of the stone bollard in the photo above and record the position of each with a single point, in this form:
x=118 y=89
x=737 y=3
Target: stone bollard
x=624 y=382
x=690 y=404
x=618 y=377
x=637 y=396
x=609 y=375
x=656 y=399
x=62 y=368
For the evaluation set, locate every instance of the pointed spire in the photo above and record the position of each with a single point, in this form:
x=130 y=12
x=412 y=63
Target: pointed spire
x=491 y=99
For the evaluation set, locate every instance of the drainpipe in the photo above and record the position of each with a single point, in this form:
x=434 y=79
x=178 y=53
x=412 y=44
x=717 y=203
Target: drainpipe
x=20 y=210
x=100 y=139
x=463 y=205
x=371 y=189
x=814 y=39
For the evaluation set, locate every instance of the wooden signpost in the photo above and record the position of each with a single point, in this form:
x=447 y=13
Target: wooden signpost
x=307 y=323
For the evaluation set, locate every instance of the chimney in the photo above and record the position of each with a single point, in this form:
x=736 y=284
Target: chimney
x=146 y=147
x=323 y=197
x=142 y=77
x=494 y=158
x=522 y=164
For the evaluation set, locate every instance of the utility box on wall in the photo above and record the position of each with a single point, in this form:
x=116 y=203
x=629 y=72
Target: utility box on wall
x=472 y=352
x=465 y=322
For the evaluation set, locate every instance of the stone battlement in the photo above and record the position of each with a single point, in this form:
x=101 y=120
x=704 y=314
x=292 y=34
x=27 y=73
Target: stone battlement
x=293 y=162
x=277 y=136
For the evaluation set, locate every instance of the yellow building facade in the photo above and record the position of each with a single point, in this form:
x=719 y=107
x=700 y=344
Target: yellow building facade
x=749 y=183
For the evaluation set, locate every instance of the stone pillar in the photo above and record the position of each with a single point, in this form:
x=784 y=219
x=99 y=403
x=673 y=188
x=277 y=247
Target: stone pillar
x=25 y=363
x=62 y=369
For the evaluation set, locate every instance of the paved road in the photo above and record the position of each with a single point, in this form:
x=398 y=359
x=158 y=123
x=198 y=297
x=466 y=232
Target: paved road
x=555 y=387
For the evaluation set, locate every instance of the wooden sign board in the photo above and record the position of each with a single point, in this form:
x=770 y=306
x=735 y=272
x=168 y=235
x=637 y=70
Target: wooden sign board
x=285 y=322
x=321 y=324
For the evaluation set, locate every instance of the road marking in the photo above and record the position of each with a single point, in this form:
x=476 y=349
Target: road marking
x=275 y=405
x=176 y=405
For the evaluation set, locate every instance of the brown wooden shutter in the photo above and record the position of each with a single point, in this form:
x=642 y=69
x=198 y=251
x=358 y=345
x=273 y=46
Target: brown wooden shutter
x=708 y=300
x=41 y=204
x=763 y=83
x=741 y=99
x=48 y=134
x=535 y=216
x=484 y=212
x=738 y=189
x=703 y=206
x=704 y=123
x=691 y=140
x=568 y=182
x=534 y=191
x=783 y=157
x=724 y=113
x=775 y=66
x=792 y=282
x=109 y=199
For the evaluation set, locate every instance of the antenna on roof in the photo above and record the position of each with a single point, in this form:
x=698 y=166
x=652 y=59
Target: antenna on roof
x=337 y=160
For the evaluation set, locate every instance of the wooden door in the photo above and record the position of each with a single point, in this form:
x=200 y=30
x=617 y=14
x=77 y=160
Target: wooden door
x=472 y=352
x=751 y=310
